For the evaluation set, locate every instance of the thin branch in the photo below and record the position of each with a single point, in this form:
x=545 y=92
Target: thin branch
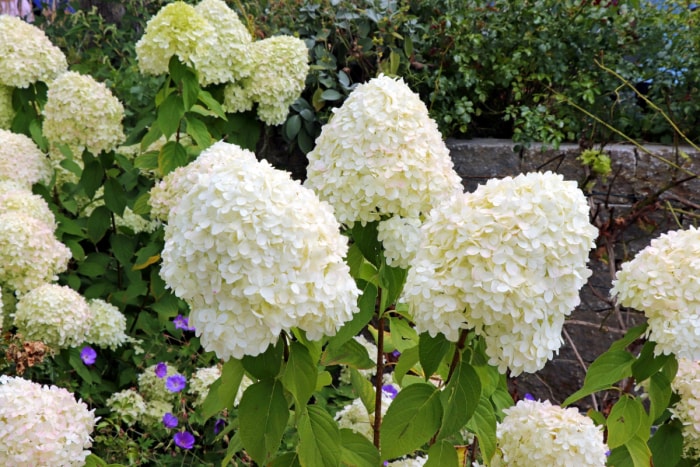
x=580 y=360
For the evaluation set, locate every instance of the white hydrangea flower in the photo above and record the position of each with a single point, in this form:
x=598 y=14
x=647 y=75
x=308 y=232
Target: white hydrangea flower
x=253 y=253
x=30 y=254
x=400 y=238
x=408 y=462
x=539 y=433
x=54 y=314
x=245 y=383
x=153 y=387
x=154 y=411
x=368 y=373
x=662 y=281
x=177 y=29
x=22 y=161
x=42 y=425
x=26 y=54
x=381 y=155
x=16 y=197
x=83 y=114
x=201 y=381
x=237 y=98
x=687 y=385
x=7 y=112
x=355 y=416
x=507 y=260
x=108 y=327
x=129 y=405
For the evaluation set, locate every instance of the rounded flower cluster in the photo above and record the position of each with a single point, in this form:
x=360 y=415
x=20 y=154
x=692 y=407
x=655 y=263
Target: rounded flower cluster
x=253 y=253
x=22 y=161
x=507 y=260
x=201 y=381
x=662 y=281
x=400 y=238
x=30 y=254
x=16 y=197
x=687 y=385
x=26 y=54
x=54 y=314
x=539 y=433
x=381 y=155
x=152 y=384
x=42 y=425
x=108 y=326
x=7 y=112
x=83 y=114
x=128 y=405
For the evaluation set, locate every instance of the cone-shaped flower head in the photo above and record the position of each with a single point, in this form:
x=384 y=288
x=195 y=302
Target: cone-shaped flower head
x=507 y=260
x=539 y=433
x=26 y=54
x=42 y=425
x=381 y=155
x=663 y=281
x=22 y=161
x=108 y=328
x=83 y=114
x=252 y=252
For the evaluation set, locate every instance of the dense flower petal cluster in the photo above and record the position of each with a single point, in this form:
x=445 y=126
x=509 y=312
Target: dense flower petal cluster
x=687 y=385
x=30 y=254
x=42 y=425
x=26 y=54
x=128 y=404
x=22 y=161
x=7 y=112
x=253 y=253
x=18 y=198
x=381 y=155
x=54 y=314
x=507 y=260
x=153 y=387
x=201 y=381
x=108 y=326
x=83 y=114
x=662 y=281
x=400 y=238
x=539 y=433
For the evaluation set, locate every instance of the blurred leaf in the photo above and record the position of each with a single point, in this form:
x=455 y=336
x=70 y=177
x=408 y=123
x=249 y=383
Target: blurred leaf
x=442 y=454
x=98 y=223
x=114 y=196
x=263 y=416
x=319 y=438
x=604 y=372
x=170 y=114
x=267 y=364
x=222 y=393
x=172 y=155
x=356 y=450
x=460 y=398
x=431 y=351
x=350 y=353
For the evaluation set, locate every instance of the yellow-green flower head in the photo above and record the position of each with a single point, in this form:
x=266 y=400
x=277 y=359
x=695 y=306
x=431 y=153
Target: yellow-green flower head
x=663 y=281
x=108 y=327
x=237 y=98
x=687 y=385
x=83 y=114
x=7 y=113
x=153 y=386
x=539 y=433
x=26 y=54
x=42 y=425
x=14 y=197
x=507 y=260
x=30 y=254
x=54 y=314
x=22 y=161
x=176 y=30
x=381 y=155
x=253 y=253
x=279 y=68
x=128 y=405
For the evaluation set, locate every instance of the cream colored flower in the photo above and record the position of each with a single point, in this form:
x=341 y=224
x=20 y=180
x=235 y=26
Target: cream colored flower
x=108 y=326
x=687 y=385
x=7 y=112
x=21 y=160
x=18 y=198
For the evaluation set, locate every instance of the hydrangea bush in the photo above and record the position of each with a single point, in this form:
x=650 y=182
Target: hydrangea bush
x=211 y=310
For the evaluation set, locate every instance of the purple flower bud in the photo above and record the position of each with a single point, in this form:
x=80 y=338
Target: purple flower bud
x=529 y=397
x=175 y=383
x=161 y=369
x=219 y=425
x=169 y=420
x=184 y=439
x=88 y=355
x=182 y=322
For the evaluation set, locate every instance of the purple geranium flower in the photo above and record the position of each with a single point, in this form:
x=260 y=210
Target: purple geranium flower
x=169 y=420
x=182 y=322
x=219 y=425
x=390 y=389
x=88 y=355
x=529 y=397
x=161 y=369
x=184 y=439
x=175 y=383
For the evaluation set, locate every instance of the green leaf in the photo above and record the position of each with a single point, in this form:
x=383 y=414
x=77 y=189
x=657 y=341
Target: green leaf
x=363 y=388
x=627 y=418
x=360 y=268
x=604 y=372
x=442 y=454
x=459 y=399
x=291 y=127
x=190 y=89
x=288 y=459
x=153 y=134
x=356 y=450
x=331 y=95
x=639 y=451
x=92 y=177
x=660 y=392
x=267 y=364
x=353 y=327
x=350 y=353
x=319 y=438
x=667 y=445
x=365 y=237
x=263 y=416
x=391 y=280
x=483 y=425
x=411 y=420
x=632 y=335
x=222 y=393
x=172 y=155
x=647 y=363
x=300 y=374
x=244 y=130
x=123 y=249
x=114 y=196
x=197 y=129
x=170 y=113
x=212 y=104
x=431 y=351
x=403 y=335
x=79 y=366
x=407 y=361
x=98 y=223
x=142 y=204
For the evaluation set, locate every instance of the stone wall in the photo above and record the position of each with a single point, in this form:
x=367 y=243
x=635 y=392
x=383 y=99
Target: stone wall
x=630 y=208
